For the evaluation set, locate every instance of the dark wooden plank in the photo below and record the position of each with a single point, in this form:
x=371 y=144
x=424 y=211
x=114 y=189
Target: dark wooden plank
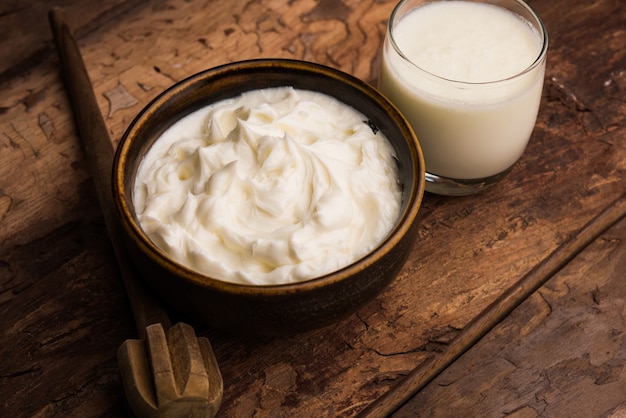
x=561 y=353
x=58 y=343
x=470 y=248
x=497 y=311
x=25 y=38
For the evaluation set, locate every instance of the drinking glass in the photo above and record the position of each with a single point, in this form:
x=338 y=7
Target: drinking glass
x=472 y=132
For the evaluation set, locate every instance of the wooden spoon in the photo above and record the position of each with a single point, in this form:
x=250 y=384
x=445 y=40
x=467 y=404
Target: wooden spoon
x=169 y=372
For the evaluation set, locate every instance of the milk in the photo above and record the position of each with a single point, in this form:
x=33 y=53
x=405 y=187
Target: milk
x=469 y=80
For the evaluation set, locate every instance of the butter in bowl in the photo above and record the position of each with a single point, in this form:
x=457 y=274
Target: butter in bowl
x=269 y=197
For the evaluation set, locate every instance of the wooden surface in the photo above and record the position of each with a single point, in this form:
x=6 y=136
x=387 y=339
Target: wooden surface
x=167 y=371
x=63 y=306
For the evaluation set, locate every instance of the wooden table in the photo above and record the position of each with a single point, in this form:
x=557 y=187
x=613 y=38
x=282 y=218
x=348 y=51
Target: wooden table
x=64 y=312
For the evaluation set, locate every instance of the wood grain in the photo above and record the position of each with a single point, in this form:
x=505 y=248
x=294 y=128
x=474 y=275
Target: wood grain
x=169 y=372
x=58 y=288
x=99 y=154
x=561 y=353
x=493 y=314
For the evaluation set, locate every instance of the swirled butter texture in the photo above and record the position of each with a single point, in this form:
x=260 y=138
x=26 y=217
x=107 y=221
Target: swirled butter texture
x=274 y=186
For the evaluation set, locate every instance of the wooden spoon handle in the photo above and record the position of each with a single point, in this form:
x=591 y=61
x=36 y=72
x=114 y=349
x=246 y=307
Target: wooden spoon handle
x=100 y=154
x=496 y=312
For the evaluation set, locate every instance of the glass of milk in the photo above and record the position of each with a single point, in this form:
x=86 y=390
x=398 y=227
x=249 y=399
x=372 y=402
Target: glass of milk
x=468 y=77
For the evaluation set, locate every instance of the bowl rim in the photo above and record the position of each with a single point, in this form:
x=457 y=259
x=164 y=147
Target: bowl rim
x=394 y=236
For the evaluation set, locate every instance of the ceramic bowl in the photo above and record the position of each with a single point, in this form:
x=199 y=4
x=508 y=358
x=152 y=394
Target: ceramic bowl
x=274 y=309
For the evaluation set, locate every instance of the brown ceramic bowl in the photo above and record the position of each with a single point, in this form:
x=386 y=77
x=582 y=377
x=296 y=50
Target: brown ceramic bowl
x=274 y=309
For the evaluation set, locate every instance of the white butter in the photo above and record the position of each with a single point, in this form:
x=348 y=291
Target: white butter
x=274 y=186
